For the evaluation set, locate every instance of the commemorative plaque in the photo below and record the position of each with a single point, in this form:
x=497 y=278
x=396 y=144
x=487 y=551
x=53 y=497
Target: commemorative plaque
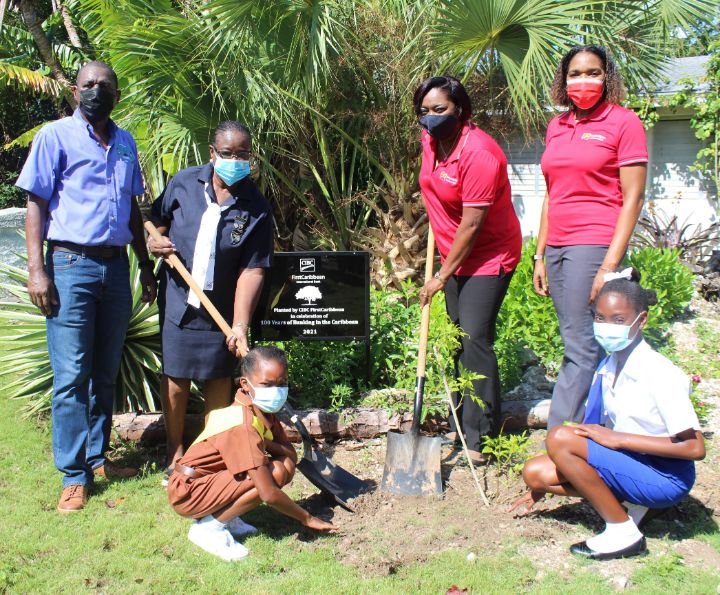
x=315 y=296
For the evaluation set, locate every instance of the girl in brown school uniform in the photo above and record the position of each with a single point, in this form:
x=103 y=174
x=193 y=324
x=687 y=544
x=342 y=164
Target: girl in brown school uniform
x=242 y=459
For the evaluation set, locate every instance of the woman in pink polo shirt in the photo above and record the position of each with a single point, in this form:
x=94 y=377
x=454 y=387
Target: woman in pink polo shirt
x=464 y=183
x=595 y=163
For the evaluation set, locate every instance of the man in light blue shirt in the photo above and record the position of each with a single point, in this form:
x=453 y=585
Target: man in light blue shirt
x=82 y=176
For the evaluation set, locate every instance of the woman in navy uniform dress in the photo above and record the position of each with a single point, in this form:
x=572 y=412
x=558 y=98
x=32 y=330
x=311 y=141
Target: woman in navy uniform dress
x=214 y=218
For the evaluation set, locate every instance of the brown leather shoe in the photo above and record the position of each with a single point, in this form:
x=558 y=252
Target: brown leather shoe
x=113 y=471
x=72 y=499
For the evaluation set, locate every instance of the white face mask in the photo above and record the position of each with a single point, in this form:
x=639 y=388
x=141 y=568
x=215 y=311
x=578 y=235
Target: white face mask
x=269 y=399
x=614 y=337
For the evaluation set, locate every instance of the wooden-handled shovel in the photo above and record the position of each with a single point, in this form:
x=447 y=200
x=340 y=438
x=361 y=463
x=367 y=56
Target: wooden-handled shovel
x=412 y=462
x=187 y=277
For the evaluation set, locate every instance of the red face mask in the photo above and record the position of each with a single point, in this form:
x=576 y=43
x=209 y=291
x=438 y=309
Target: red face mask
x=585 y=93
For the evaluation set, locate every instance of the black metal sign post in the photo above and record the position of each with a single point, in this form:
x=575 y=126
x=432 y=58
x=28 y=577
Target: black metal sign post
x=316 y=296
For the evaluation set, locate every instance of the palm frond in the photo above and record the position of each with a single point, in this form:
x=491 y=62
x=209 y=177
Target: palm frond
x=30 y=79
x=25 y=138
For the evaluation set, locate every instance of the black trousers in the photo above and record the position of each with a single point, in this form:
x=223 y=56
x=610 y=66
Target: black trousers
x=473 y=304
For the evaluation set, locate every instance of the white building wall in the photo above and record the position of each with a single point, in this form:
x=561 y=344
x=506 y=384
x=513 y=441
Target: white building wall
x=672 y=189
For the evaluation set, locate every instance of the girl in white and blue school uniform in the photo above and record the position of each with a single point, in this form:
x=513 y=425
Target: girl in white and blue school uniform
x=636 y=447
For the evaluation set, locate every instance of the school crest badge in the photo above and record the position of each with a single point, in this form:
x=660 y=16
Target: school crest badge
x=239 y=225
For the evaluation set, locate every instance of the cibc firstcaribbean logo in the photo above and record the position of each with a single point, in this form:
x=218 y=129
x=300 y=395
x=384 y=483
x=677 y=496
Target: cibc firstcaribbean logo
x=307 y=265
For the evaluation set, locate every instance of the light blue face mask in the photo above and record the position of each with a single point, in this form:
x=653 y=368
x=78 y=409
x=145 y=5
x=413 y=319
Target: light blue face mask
x=614 y=337
x=269 y=399
x=231 y=171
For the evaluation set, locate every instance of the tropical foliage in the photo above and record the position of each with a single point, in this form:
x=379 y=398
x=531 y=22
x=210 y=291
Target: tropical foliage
x=325 y=85
x=25 y=355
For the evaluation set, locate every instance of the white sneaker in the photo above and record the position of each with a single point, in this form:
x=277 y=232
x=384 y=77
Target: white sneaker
x=239 y=528
x=216 y=541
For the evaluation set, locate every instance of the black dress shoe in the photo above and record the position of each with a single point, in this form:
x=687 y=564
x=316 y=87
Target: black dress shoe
x=638 y=548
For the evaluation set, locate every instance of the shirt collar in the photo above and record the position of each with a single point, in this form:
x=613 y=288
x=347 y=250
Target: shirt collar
x=205 y=173
x=205 y=176
x=634 y=365
x=78 y=117
x=459 y=146
x=599 y=113
x=244 y=399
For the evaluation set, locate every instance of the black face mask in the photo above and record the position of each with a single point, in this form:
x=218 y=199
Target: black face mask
x=96 y=103
x=440 y=127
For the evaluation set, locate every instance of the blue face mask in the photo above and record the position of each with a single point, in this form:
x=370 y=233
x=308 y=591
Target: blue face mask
x=614 y=337
x=269 y=399
x=231 y=171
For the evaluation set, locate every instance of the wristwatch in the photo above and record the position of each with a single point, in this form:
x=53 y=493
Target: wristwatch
x=538 y=256
x=438 y=277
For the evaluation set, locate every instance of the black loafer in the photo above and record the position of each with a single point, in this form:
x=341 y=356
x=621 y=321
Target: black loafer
x=638 y=548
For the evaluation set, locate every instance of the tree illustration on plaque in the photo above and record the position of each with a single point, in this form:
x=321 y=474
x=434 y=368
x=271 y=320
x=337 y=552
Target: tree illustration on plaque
x=309 y=293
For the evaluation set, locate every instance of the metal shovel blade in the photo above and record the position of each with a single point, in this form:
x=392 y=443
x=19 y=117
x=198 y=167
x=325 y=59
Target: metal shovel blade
x=331 y=479
x=325 y=475
x=412 y=465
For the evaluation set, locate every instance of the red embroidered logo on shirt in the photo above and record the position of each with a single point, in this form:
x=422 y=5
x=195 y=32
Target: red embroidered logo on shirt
x=446 y=178
x=590 y=136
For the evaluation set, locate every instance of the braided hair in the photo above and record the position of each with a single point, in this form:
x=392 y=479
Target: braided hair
x=640 y=298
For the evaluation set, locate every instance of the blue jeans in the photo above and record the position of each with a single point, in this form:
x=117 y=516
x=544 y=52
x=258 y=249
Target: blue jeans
x=85 y=336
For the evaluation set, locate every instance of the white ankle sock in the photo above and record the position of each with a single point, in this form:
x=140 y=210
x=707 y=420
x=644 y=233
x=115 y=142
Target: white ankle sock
x=635 y=511
x=616 y=536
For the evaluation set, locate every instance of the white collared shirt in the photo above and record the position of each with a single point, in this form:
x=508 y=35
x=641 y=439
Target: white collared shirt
x=651 y=396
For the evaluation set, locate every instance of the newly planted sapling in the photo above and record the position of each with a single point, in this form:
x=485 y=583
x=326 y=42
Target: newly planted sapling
x=509 y=451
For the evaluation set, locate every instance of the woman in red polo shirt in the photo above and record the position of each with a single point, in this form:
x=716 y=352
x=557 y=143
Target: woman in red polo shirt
x=465 y=187
x=595 y=163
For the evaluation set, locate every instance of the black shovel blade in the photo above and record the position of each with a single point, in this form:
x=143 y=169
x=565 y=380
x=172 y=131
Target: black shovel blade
x=332 y=479
x=412 y=465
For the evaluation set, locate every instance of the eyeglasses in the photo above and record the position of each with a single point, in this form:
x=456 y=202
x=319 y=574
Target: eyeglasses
x=242 y=155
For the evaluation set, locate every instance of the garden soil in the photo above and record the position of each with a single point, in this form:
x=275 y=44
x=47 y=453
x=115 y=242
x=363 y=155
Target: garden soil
x=386 y=532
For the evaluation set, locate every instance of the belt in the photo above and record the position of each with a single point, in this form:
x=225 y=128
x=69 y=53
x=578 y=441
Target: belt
x=189 y=471
x=91 y=251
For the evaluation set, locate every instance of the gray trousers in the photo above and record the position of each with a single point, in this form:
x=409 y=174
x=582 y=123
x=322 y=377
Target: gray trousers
x=570 y=272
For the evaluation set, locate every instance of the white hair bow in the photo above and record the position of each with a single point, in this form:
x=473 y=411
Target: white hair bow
x=624 y=274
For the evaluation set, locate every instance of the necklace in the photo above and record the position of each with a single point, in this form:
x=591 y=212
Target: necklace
x=446 y=152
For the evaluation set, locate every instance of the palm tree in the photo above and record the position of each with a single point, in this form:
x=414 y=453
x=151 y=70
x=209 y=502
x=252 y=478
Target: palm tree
x=35 y=55
x=325 y=86
x=524 y=40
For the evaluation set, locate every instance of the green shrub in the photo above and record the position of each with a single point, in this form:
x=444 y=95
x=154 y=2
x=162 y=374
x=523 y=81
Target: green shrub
x=662 y=271
x=10 y=195
x=315 y=368
x=526 y=320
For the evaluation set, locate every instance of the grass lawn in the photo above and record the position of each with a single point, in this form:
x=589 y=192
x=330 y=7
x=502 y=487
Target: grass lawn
x=129 y=541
